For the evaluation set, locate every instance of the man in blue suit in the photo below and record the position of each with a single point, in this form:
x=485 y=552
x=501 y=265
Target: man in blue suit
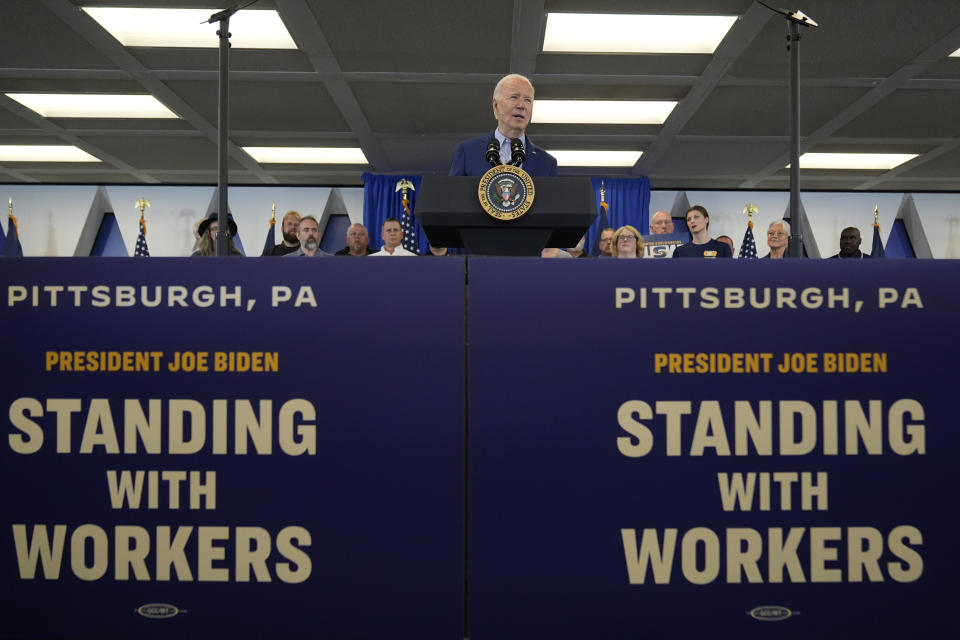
x=512 y=107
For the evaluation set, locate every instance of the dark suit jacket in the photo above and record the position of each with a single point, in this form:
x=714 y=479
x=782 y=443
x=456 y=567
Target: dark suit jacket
x=469 y=160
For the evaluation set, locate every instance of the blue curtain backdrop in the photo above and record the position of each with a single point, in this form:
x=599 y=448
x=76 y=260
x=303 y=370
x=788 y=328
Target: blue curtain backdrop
x=381 y=200
x=629 y=200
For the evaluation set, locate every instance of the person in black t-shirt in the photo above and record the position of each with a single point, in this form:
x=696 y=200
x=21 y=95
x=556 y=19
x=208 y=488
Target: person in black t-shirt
x=702 y=246
x=288 y=228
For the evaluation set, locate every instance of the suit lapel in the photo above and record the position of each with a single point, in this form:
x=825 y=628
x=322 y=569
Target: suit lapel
x=533 y=157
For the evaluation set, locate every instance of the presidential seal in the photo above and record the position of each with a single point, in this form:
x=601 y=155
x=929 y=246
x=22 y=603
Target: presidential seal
x=506 y=192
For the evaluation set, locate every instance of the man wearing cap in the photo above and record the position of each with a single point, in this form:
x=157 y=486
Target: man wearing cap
x=308 y=233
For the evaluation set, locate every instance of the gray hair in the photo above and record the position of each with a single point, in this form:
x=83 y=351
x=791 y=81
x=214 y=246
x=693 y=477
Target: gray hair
x=782 y=223
x=498 y=90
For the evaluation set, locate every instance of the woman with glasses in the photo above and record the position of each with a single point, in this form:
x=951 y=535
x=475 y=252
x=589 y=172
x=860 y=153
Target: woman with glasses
x=778 y=234
x=627 y=243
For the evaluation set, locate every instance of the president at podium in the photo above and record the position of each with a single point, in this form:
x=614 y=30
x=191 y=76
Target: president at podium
x=513 y=108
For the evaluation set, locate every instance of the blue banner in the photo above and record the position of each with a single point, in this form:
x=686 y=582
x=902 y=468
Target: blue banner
x=240 y=448
x=259 y=448
x=746 y=451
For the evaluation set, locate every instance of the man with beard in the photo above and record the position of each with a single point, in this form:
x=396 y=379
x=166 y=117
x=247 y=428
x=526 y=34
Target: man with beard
x=512 y=107
x=288 y=227
x=308 y=233
x=358 y=242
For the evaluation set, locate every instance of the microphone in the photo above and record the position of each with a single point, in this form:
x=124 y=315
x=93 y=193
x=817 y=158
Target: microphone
x=517 y=154
x=493 y=152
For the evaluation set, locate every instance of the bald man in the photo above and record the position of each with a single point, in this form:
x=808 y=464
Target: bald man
x=661 y=223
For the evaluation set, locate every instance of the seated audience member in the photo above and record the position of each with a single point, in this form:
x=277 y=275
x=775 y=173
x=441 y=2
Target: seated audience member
x=661 y=223
x=358 y=242
x=207 y=229
x=554 y=252
x=727 y=240
x=288 y=229
x=437 y=252
x=392 y=234
x=308 y=233
x=702 y=246
x=606 y=242
x=578 y=251
x=778 y=236
x=850 y=244
x=627 y=243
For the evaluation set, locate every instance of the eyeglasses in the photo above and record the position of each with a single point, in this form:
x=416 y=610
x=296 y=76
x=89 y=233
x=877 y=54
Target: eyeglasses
x=627 y=236
x=776 y=234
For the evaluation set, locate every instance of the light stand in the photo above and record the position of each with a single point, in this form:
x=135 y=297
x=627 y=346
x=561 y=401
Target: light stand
x=795 y=19
x=223 y=125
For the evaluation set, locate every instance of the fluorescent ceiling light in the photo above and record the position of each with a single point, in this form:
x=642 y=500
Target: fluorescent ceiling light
x=602 y=111
x=250 y=28
x=74 y=105
x=955 y=54
x=43 y=153
x=596 y=158
x=882 y=161
x=307 y=155
x=610 y=33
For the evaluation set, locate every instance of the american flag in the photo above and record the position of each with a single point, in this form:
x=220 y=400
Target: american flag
x=748 y=249
x=141 y=250
x=410 y=240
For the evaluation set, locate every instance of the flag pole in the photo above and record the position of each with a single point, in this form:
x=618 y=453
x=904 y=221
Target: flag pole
x=795 y=18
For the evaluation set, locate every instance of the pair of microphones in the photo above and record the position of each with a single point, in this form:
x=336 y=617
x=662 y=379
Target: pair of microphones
x=517 y=154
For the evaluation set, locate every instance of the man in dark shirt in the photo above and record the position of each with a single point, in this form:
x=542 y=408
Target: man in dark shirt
x=850 y=244
x=702 y=246
x=358 y=242
x=288 y=228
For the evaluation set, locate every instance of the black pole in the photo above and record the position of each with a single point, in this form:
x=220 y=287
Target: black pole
x=796 y=239
x=223 y=124
x=795 y=18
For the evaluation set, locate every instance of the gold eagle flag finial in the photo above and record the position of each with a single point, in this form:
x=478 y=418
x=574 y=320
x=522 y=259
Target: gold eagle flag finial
x=142 y=203
x=751 y=210
x=403 y=185
x=13 y=218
